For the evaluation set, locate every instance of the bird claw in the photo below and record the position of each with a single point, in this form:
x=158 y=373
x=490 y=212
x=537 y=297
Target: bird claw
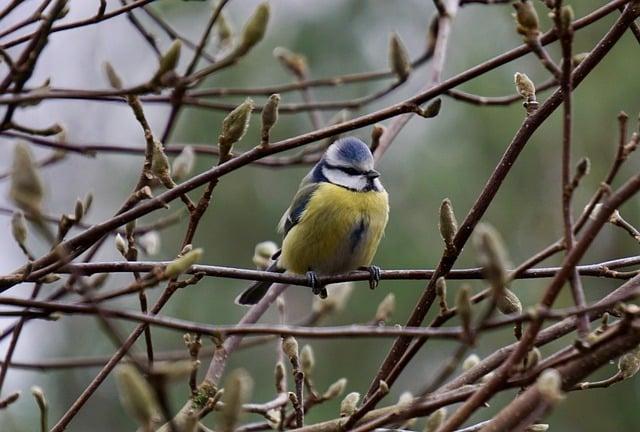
x=374 y=278
x=316 y=288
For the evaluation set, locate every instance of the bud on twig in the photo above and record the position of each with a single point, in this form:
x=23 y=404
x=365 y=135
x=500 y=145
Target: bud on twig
x=386 y=308
x=432 y=110
x=448 y=225
x=279 y=374
x=43 y=406
x=492 y=257
x=262 y=254
x=290 y=348
x=183 y=163
x=237 y=391
x=399 y=57
x=549 y=384
x=169 y=60
x=224 y=30
x=269 y=117
x=337 y=298
x=629 y=364
x=26 y=188
x=182 y=264
x=566 y=19
x=19 y=227
x=526 y=89
x=254 y=29
x=150 y=242
x=578 y=58
x=508 y=303
x=335 y=389
x=136 y=395
x=441 y=292
x=435 y=420
x=376 y=133
x=78 y=211
x=307 y=360
x=470 y=362
x=293 y=62
x=526 y=19
x=234 y=126
x=160 y=164
x=112 y=76
x=349 y=404
x=121 y=244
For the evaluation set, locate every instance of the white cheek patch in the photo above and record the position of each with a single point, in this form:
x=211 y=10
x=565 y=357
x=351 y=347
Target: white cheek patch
x=341 y=178
x=377 y=185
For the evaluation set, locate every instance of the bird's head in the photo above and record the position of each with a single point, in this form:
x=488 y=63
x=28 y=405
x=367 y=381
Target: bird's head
x=348 y=162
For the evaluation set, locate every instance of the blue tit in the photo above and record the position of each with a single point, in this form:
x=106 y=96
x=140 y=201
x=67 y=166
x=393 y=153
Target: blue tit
x=335 y=221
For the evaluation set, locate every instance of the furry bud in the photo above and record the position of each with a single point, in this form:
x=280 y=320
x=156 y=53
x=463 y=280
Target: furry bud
x=169 y=59
x=183 y=163
x=136 y=395
x=262 y=254
x=629 y=364
x=121 y=244
x=524 y=86
x=112 y=76
x=237 y=391
x=386 y=308
x=269 y=117
x=78 y=210
x=150 y=242
x=335 y=389
x=349 y=404
x=19 y=227
x=290 y=347
x=254 y=29
x=234 y=126
x=307 y=360
x=26 y=188
x=435 y=420
x=549 y=384
x=399 y=58
x=526 y=19
x=182 y=264
x=337 y=298
x=508 y=303
x=448 y=225
x=470 y=362
x=293 y=62
x=160 y=163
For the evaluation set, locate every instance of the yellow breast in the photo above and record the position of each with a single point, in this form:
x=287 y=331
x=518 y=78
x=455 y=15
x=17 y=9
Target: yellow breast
x=338 y=231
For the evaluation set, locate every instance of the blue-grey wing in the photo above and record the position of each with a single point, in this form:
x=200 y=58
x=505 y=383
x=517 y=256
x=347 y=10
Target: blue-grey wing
x=293 y=214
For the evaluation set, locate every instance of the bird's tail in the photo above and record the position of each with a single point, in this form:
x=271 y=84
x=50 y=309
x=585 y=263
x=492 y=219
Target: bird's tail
x=257 y=290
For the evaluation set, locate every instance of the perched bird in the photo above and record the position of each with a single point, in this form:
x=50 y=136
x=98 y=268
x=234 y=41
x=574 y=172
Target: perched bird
x=335 y=221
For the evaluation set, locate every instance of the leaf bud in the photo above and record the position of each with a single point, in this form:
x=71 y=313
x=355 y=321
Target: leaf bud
x=254 y=29
x=335 y=389
x=435 y=420
x=269 y=117
x=290 y=347
x=448 y=225
x=307 y=360
x=386 y=308
x=470 y=362
x=234 y=127
x=237 y=391
x=19 y=227
x=182 y=264
x=349 y=404
x=549 y=384
x=183 y=163
x=136 y=395
x=399 y=58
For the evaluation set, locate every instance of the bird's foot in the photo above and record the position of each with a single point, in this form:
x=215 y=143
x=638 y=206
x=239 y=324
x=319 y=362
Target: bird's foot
x=316 y=288
x=374 y=275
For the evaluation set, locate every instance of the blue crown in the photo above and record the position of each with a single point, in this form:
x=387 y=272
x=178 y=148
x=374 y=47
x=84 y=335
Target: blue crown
x=352 y=149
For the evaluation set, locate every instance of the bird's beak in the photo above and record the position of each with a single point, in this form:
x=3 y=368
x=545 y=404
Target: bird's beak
x=373 y=174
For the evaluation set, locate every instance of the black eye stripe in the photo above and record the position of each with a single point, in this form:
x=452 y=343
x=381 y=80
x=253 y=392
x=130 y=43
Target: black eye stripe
x=347 y=170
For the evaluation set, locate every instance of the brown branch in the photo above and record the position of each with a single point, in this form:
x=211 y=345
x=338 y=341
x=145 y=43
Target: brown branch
x=530 y=124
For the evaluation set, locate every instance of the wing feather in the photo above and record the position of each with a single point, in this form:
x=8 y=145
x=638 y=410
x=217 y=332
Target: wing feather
x=294 y=213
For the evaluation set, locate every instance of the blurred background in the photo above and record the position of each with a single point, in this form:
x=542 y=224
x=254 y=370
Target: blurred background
x=449 y=156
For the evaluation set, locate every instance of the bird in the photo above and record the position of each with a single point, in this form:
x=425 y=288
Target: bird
x=335 y=221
